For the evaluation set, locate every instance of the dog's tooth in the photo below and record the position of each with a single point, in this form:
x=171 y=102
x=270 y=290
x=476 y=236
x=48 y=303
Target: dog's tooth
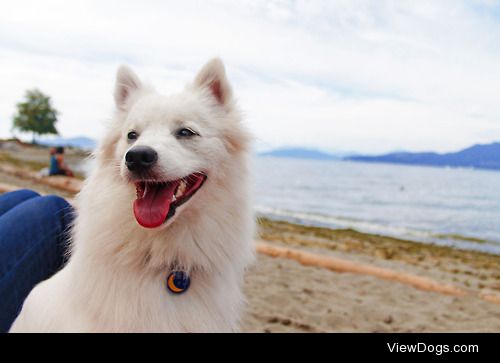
x=174 y=198
x=181 y=188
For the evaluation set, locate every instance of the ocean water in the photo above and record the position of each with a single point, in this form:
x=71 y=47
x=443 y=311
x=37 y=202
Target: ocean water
x=457 y=207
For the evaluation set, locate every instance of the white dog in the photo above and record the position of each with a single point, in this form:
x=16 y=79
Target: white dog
x=164 y=229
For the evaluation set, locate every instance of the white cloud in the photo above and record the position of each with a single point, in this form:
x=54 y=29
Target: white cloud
x=337 y=75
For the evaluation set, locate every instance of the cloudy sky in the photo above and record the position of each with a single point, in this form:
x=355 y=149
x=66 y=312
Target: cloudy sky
x=345 y=75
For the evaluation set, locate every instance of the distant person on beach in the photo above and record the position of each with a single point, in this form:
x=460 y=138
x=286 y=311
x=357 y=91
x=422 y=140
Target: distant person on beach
x=57 y=165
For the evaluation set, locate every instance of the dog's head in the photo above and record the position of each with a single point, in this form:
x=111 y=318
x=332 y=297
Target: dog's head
x=169 y=148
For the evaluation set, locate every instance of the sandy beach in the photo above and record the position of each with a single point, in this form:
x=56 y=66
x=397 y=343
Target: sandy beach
x=285 y=296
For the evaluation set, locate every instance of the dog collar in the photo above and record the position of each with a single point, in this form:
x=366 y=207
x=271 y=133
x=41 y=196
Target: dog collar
x=178 y=282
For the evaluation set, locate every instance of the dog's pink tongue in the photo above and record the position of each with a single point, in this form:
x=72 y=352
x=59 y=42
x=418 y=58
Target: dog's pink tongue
x=152 y=209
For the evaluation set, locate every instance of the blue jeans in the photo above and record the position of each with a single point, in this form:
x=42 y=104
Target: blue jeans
x=33 y=242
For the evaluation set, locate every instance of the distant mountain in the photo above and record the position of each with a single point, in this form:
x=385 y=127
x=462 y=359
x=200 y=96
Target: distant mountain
x=80 y=142
x=299 y=153
x=477 y=156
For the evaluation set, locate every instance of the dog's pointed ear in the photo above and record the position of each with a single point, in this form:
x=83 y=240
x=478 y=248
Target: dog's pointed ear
x=126 y=84
x=213 y=77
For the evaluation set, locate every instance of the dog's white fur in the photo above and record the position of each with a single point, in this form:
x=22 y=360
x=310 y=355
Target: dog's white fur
x=115 y=278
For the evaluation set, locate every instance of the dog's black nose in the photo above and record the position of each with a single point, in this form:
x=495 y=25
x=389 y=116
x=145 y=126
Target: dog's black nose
x=140 y=158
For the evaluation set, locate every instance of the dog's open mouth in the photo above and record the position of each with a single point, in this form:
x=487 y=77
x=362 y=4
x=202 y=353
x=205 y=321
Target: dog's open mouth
x=156 y=201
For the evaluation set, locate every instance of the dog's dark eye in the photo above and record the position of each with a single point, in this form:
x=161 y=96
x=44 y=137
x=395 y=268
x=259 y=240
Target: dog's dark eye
x=185 y=132
x=132 y=135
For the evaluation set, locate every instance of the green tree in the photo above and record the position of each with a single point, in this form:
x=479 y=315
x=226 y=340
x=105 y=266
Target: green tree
x=36 y=114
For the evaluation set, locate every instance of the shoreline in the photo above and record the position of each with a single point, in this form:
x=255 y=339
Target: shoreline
x=452 y=240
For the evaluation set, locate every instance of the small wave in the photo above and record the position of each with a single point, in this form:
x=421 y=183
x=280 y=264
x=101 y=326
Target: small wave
x=335 y=222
